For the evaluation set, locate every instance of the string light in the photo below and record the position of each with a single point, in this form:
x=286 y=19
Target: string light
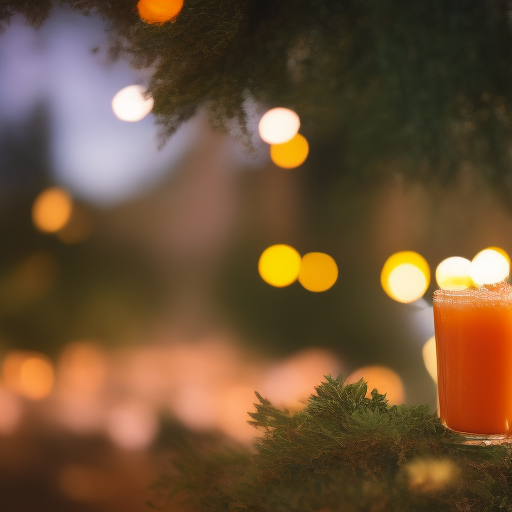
x=279 y=125
x=405 y=276
x=318 y=272
x=159 y=11
x=279 y=265
x=290 y=154
x=52 y=210
x=130 y=105
x=454 y=274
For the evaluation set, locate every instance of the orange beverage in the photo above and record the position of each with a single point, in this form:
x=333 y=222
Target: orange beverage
x=473 y=330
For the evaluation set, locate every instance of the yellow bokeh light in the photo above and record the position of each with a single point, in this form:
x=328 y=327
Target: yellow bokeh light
x=130 y=105
x=290 y=154
x=52 y=210
x=28 y=373
x=430 y=358
x=279 y=125
x=384 y=379
x=318 y=272
x=454 y=274
x=405 y=276
x=279 y=265
x=490 y=266
x=159 y=11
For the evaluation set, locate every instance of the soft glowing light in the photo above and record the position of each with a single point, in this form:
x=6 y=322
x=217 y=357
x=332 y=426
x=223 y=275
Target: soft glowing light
x=52 y=210
x=290 y=382
x=279 y=125
x=490 y=266
x=290 y=154
x=132 y=426
x=383 y=379
x=11 y=412
x=129 y=104
x=430 y=475
x=405 y=276
x=234 y=404
x=318 y=272
x=454 y=274
x=82 y=369
x=430 y=358
x=28 y=373
x=159 y=11
x=279 y=265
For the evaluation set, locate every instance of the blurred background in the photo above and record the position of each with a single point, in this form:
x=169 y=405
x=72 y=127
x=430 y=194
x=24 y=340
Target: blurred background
x=146 y=292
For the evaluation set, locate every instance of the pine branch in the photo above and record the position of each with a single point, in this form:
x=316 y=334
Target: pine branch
x=345 y=452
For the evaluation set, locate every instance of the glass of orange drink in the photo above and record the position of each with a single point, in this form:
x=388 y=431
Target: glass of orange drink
x=473 y=331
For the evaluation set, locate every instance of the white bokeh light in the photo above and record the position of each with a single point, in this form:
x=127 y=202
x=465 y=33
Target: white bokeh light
x=132 y=425
x=454 y=274
x=130 y=105
x=279 y=125
x=489 y=267
x=407 y=282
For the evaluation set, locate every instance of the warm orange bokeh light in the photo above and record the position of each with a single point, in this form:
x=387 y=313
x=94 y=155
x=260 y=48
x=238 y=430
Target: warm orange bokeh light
x=405 y=276
x=318 y=272
x=28 y=373
x=159 y=11
x=383 y=379
x=290 y=154
x=52 y=210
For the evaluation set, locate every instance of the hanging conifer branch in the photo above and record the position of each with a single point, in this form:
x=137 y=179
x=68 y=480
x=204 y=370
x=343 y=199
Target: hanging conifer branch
x=418 y=88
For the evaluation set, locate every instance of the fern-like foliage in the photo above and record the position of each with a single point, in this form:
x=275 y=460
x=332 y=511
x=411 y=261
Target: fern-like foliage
x=343 y=452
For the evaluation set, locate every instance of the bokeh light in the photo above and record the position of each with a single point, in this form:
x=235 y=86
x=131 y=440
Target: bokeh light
x=159 y=11
x=279 y=265
x=490 y=266
x=318 y=272
x=290 y=154
x=52 y=210
x=11 y=412
x=82 y=369
x=130 y=105
x=234 y=404
x=384 y=379
x=454 y=274
x=279 y=125
x=132 y=425
x=430 y=358
x=428 y=475
x=28 y=373
x=290 y=382
x=405 y=276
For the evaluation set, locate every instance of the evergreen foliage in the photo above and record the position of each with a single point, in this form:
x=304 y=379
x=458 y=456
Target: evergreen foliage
x=418 y=88
x=343 y=452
